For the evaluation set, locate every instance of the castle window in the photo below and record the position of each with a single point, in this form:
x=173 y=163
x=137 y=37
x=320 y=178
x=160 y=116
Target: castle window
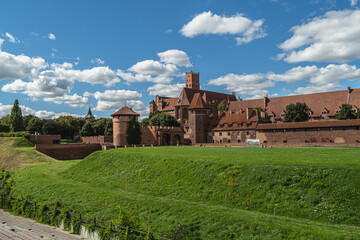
x=213 y=134
x=239 y=141
x=239 y=125
x=185 y=113
x=220 y=141
x=229 y=125
x=247 y=133
x=239 y=133
x=248 y=124
x=331 y=141
x=284 y=141
x=228 y=133
x=128 y=117
x=229 y=141
x=119 y=117
x=221 y=126
x=220 y=133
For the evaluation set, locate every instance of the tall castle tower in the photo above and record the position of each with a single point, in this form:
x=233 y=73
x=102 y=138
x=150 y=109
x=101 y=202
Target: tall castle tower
x=192 y=80
x=198 y=119
x=120 y=122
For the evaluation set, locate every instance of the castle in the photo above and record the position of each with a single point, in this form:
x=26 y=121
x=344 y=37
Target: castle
x=242 y=120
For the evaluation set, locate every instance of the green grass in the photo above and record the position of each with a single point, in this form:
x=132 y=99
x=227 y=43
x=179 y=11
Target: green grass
x=253 y=193
x=18 y=153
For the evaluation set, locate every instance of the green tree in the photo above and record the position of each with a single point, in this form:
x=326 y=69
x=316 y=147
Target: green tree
x=26 y=120
x=298 y=112
x=51 y=127
x=163 y=119
x=222 y=105
x=108 y=127
x=346 y=112
x=133 y=132
x=4 y=128
x=87 y=129
x=35 y=125
x=144 y=122
x=16 y=119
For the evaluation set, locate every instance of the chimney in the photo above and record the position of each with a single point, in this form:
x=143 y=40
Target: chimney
x=239 y=99
x=348 y=95
x=247 y=114
x=266 y=100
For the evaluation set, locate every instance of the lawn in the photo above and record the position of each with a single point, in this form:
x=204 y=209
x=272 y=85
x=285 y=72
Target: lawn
x=211 y=192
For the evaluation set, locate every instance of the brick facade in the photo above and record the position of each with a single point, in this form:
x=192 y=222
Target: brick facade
x=67 y=151
x=45 y=139
x=97 y=139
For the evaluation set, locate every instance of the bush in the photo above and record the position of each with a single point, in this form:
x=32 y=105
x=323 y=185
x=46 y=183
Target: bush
x=15 y=134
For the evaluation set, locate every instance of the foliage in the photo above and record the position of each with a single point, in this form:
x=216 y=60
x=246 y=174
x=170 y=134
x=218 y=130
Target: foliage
x=35 y=124
x=346 y=112
x=87 y=129
x=14 y=134
x=5 y=120
x=163 y=119
x=133 y=132
x=99 y=127
x=222 y=105
x=298 y=112
x=51 y=127
x=16 y=119
x=26 y=120
x=211 y=116
x=4 y=128
x=144 y=122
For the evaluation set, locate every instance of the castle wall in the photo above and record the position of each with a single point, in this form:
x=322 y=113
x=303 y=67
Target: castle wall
x=158 y=135
x=44 y=139
x=67 y=151
x=97 y=139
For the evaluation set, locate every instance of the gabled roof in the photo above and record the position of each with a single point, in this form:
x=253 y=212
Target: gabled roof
x=125 y=111
x=238 y=120
x=187 y=94
x=170 y=104
x=197 y=102
x=332 y=101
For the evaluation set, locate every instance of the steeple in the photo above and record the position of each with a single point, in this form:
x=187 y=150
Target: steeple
x=89 y=115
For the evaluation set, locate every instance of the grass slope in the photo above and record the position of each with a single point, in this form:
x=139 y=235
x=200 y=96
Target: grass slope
x=287 y=193
x=18 y=153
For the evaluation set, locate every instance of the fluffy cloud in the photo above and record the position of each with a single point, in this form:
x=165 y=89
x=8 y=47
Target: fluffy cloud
x=1 y=43
x=11 y=38
x=353 y=2
x=318 y=79
x=177 y=57
x=332 y=37
x=51 y=36
x=135 y=77
x=209 y=23
x=152 y=67
x=167 y=90
x=72 y=100
x=250 y=85
x=97 y=61
x=6 y=109
x=13 y=67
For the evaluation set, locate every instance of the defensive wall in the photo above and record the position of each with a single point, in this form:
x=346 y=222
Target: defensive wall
x=158 y=135
x=45 y=139
x=67 y=151
x=97 y=139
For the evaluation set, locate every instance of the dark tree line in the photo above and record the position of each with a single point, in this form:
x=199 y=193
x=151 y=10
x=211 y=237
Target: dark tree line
x=158 y=118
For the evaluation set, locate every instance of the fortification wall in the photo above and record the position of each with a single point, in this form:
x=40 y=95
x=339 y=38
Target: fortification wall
x=67 y=151
x=97 y=139
x=44 y=139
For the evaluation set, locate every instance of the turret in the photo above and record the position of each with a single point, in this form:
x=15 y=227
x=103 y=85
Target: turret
x=120 y=122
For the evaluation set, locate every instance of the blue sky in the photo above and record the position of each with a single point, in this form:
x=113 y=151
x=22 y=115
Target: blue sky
x=57 y=56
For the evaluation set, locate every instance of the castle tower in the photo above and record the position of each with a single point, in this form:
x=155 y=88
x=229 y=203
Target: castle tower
x=89 y=115
x=120 y=122
x=192 y=80
x=198 y=120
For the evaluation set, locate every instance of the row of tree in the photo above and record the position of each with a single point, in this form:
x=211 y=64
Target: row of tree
x=67 y=126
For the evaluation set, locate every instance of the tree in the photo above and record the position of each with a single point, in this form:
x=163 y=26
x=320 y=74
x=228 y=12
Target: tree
x=222 y=105
x=35 y=125
x=346 y=112
x=163 y=119
x=51 y=127
x=87 y=129
x=298 y=112
x=26 y=120
x=144 y=122
x=108 y=127
x=133 y=132
x=16 y=119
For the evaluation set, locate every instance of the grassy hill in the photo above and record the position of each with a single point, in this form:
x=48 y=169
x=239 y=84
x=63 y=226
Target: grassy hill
x=18 y=153
x=211 y=193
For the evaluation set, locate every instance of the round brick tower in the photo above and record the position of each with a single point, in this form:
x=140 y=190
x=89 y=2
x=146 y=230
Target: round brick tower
x=120 y=120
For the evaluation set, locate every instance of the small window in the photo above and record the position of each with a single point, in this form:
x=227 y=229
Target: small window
x=307 y=141
x=213 y=134
x=239 y=125
x=220 y=141
x=331 y=141
x=247 y=133
x=239 y=141
x=239 y=133
x=248 y=124
x=229 y=141
x=128 y=117
x=220 y=133
x=358 y=141
x=284 y=141
x=228 y=133
x=119 y=117
x=265 y=141
x=221 y=126
x=229 y=125
x=213 y=141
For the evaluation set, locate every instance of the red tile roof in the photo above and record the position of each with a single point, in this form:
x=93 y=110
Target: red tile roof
x=170 y=104
x=197 y=102
x=187 y=95
x=317 y=102
x=125 y=111
x=310 y=124
x=238 y=120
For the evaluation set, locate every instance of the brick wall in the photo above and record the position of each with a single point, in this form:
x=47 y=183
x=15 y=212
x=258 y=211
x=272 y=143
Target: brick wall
x=44 y=139
x=97 y=139
x=67 y=151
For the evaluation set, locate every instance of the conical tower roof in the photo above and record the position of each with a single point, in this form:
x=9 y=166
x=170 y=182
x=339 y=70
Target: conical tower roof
x=89 y=115
x=125 y=111
x=197 y=102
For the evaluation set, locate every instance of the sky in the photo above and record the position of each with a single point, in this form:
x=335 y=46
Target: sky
x=60 y=57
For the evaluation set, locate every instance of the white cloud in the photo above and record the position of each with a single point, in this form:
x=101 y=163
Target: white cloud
x=62 y=65
x=6 y=109
x=152 y=67
x=166 y=90
x=169 y=31
x=318 y=79
x=209 y=23
x=14 y=67
x=1 y=43
x=97 y=61
x=131 y=77
x=11 y=38
x=333 y=37
x=250 y=85
x=51 y=36
x=353 y=2
x=112 y=100
x=72 y=100
x=177 y=57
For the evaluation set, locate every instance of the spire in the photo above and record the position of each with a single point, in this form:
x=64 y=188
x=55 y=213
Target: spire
x=89 y=115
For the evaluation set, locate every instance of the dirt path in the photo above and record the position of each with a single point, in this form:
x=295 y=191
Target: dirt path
x=13 y=227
